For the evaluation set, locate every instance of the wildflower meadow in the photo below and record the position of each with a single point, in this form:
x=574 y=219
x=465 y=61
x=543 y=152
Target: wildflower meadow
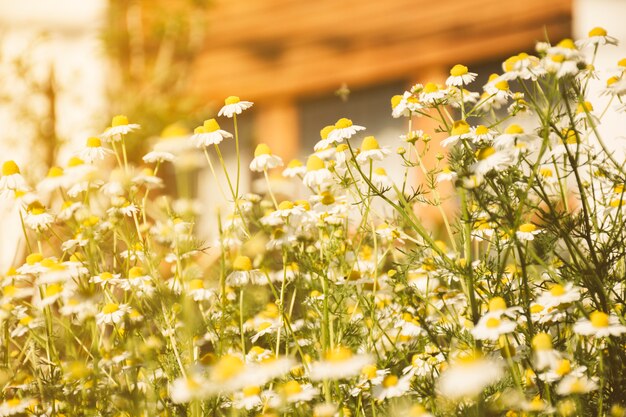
x=338 y=301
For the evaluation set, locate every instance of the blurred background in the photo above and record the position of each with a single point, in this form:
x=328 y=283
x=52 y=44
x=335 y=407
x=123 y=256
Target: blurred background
x=68 y=66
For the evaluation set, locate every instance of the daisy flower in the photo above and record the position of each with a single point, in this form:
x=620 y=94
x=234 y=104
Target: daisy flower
x=339 y=363
x=600 y=324
x=467 y=377
x=432 y=94
x=446 y=174
x=294 y=392
x=119 y=126
x=16 y=406
x=559 y=294
x=380 y=179
x=112 y=313
x=264 y=159
x=295 y=168
x=544 y=356
x=317 y=175
x=248 y=398
x=371 y=151
x=460 y=75
x=148 y=179
x=189 y=388
x=37 y=218
x=11 y=179
x=460 y=130
x=197 y=290
x=243 y=273
x=105 y=278
x=209 y=134
x=491 y=327
x=158 y=157
x=527 y=232
x=55 y=178
x=343 y=129
x=391 y=387
x=230 y=373
x=572 y=384
x=233 y=105
x=513 y=136
x=596 y=37
x=93 y=151
x=488 y=159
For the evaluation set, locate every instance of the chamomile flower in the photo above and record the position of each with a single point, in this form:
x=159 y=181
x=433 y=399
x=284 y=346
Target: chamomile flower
x=230 y=373
x=37 y=218
x=105 y=278
x=544 y=356
x=93 y=151
x=527 y=232
x=209 y=134
x=559 y=294
x=158 y=157
x=119 y=126
x=343 y=129
x=317 y=175
x=248 y=398
x=381 y=180
x=196 y=289
x=233 y=105
x=243 y=273
x=491 y=327
x=391 y=386
x=468 y=376
x=371 y=151
x=264 y=159
x=295 y=168
x=11 y=179
x=432 y=94
x=600 y=324
x=188 y=388
x=339 y=363
x=572 y=384
x=460 y=130
x=513 y=136
x=112 y=313
x=293 y=392
x=489 y=159
x=460 y=75
x=446 y=174
x=597 y=37
x=55 y=178
x=16 y=406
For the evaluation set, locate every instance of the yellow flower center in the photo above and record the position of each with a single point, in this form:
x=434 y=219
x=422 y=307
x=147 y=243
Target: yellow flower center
x=55 y=172
x=557 y=290
x=119 y=120
x=196 y=284
x=290 y=388
x=497 y=303
x=105 y=276
x=251 y=391
x=295 y=163
x=211 y=125
x=135 y=272
x=25 y=321
x=584 y=107
x=262 y=149
x=369 y=371
x=599 y=319
x=482 y=130
x=567 y=44
x=94 y=142
x=338 y=354
x=52 y=290
x=33 y=258
x=342 y=147
x=314 y=163
x=13 y=402
x=285 y=205
x=10 y=168
x=578 y=387
x=327 y=129
x=546 y=172
x=502 y=85
x=36 y=208
x=485 y=153
x=514 y=130
x=174 y=130
x=558 y=58
x=492 y=323
x=263 y=326
x=242 y=263
x=232 y=100
x=110 y=308
x=458 y=70
x=564 y=367
x=75 y=161
x=542 y=341
x=343 y=123
x=612 y=81
x=431 y=88
x=227 y=367
x=369 y=144
x=395 y=100
x=460 y=127
x=597 y=31
x=304 y=204
x=390 y=381
x=380 y=171
x=527 y=228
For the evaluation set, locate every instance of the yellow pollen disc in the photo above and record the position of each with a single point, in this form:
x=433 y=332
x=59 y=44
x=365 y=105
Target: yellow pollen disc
x=390 y=381
x=431 y=88
x=75 y=161
x=227 y=367
x=612 y=81
x=262 y=149
x=485 y=153
x=232 y=100
x=338 y=354
x=509 y=64
x=492 y=323
x=304 y=204
x=175 y=130
x=25 y=321
x=493 y=77
x=584 y=107
x=285 y=205
x=380 y=171
x=105 y=276
x=55 y=172
x=481 y=130
x=369 y=144
x=578 y=387
x=327 y=198
x=599 y=319
x=564 y=367
x=199 y=130
x=94 y=142
x=291 y=388
x=497 y=303
x=196 y=284
x=314 y=163
x=264 y=325
x=597 y=31
x=395 y=100
x=567 y=44
x=458 y=70
x=502 y=85
x=13 y=402
x=33 y=258
x=295 y=163
x=110 y=308
x=542 y=341
x=52 y=289
x=251 y=391
x=514 y=130
x=460 y=127
x=342 y=147
x=369 y=371
x=211 y=125
x=558 y=58
x=557 y=290
x=135 y=272
x=622 y=62
x=617 y=202
x=546 y=172
x=242 y=263
x=326 y=130
x=527 y=228
x=119 y=120
x=343 y=123
x=10 y=168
